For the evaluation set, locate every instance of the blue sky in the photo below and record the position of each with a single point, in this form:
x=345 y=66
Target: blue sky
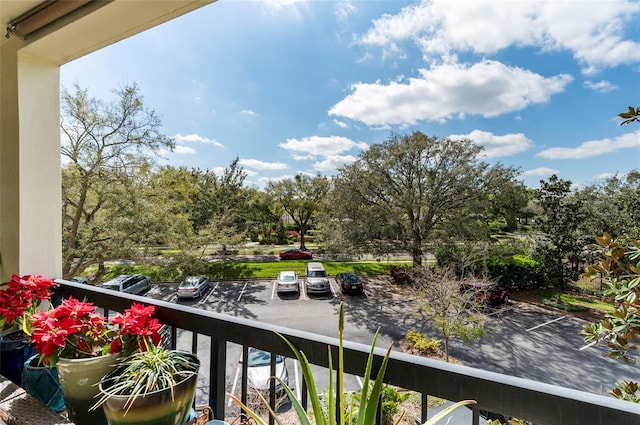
x=305 y=86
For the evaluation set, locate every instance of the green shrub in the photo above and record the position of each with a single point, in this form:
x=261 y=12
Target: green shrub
x=424 y=344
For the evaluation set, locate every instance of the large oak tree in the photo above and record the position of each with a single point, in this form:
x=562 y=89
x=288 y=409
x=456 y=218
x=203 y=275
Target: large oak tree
x=400 y=193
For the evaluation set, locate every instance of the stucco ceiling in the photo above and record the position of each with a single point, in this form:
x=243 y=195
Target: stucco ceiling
x=103 y=23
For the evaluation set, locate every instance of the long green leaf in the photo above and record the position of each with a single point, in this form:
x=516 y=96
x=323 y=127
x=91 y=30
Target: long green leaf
x=365 y=383
x=444 y=412
x=305 y=366
x=331 y=403
x=340 y=364
x=374 y=397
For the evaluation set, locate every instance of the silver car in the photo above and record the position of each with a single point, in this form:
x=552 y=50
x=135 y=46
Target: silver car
x=129 y=283
x=193 y=287
x=287 y=282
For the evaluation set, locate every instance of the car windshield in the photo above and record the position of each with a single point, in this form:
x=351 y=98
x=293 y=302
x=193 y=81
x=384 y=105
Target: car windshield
x=287 y=278
x=317 y=273
x=350 y=278
x=189 y=282
x=261 y=358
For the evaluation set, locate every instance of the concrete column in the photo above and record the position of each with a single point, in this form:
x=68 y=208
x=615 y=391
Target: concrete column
x=30 y=180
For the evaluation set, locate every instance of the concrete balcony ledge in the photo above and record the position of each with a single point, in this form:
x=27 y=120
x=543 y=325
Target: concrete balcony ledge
x=17 y=407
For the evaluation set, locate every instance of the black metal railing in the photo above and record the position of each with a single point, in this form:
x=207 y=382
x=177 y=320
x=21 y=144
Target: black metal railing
x=510 y=396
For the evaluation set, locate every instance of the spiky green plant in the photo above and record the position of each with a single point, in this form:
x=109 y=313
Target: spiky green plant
x=325 y=413
x=143 y=372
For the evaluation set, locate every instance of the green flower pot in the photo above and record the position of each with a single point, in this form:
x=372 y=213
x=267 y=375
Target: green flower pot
x=154 y=408
x=79 y=379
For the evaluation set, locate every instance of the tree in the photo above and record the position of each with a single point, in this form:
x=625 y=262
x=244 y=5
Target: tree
x=619 y=267
x=300 y=198
x=403 y=192
x=563 y=225
x=453 y=312
x=105 y=145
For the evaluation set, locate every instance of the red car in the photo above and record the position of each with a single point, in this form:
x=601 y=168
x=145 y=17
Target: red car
x=295 y=254
x=487 y=293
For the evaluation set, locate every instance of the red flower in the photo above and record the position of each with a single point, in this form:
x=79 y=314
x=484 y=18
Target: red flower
x=20 y=297
x=75 y=330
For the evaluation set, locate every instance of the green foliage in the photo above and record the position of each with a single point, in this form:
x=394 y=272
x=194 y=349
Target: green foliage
x=401 y=193
x=325 y=413
x=518 y=271
x=422 y=343
x=631 y=115
x=619 y=266
x=147 y=371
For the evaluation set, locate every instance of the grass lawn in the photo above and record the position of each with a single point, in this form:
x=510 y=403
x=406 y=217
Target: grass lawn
x=573 y=302
x=264 y=269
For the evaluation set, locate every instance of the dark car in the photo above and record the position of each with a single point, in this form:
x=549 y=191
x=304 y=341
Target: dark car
x=295 y=254
x=349 y=282
x=487 y=293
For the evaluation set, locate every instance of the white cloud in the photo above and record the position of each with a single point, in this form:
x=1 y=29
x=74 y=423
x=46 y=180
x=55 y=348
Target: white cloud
x=333 y=162
x=488 y=88
x=184 y=150
x=196 y=138
x=594 y=147
x=540 y=172
x=324 y=146
x=496 y=146
x=341 y=124
x=303 y=157
x=343 y=10
x=250 y=113
x=264 y=181
x=593 y=32
x=601 y=86
x=604 y=176
x=261 y=165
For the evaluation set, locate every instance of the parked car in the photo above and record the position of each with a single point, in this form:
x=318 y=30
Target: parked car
x=193 y=287
x=316 y=279
x=80 y=279
x=295 y=254
x=349 y=282
x=259 y=370
x=487 y=293
x=129 y=283
x=287 y=282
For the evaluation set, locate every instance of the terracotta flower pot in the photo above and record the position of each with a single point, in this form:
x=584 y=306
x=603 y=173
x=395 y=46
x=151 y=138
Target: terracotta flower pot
x=79 y=379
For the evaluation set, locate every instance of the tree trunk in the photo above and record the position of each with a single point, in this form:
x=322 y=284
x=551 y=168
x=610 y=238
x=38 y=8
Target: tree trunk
x=303 y=230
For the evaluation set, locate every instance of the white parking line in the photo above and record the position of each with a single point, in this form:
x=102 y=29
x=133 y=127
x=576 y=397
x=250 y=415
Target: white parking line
x=359 y=381
x=206 y=299
x=273 y=290
x=243 y=288
x=591 y=344
x=303 y=290
x=546 y=323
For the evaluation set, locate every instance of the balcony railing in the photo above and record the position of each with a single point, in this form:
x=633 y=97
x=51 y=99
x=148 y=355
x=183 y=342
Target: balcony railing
x=508 y=395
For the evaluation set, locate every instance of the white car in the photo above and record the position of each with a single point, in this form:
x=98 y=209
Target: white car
x=259 y=370
x=287 y=282
x=193 y=287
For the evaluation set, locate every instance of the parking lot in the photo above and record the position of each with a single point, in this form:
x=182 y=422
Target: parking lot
x=531 y=343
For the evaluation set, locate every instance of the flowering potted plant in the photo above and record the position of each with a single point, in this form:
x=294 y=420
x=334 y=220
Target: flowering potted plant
x=19 y=297
x=85 y=346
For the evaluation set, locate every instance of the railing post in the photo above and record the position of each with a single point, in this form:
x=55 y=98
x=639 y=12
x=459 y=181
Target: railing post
x=424 y=409
x=217 y=376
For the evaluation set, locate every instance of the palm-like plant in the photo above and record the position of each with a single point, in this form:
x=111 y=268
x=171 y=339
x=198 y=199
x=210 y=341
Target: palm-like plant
x=143 y=372
x=325 y=413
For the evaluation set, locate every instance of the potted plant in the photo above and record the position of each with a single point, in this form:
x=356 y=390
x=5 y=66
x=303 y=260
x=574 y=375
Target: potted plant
x=361 y=411
x=19 y=297
x=153 y=386
x=85 y=346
